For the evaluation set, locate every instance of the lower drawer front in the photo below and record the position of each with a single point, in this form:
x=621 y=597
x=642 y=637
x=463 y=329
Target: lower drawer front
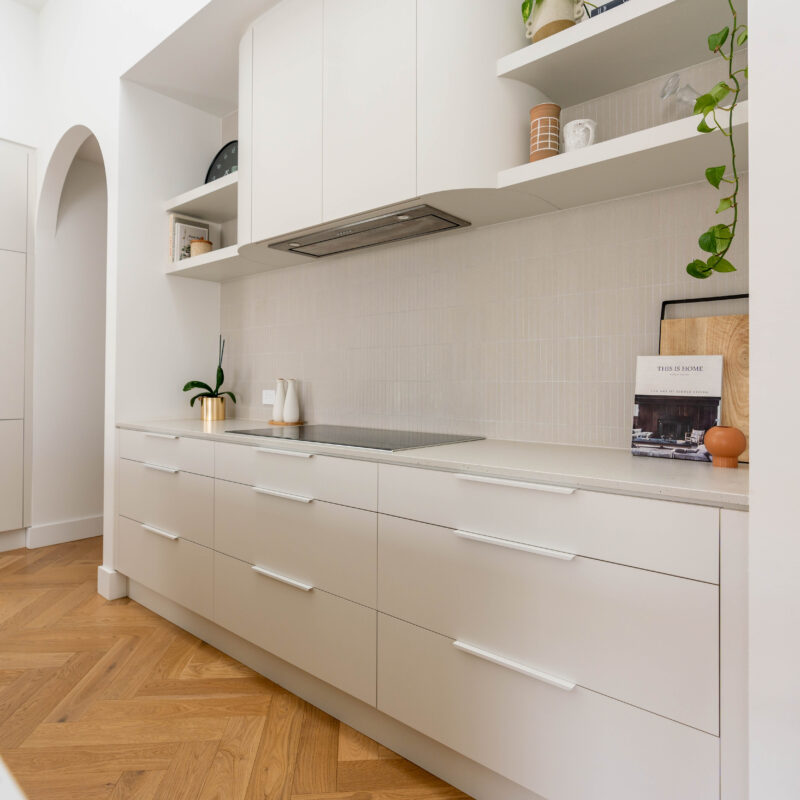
x=643 y=637
x=329 y=546
x=564 y=745
x=180 y=570
x=178 y=502
x=331 y=638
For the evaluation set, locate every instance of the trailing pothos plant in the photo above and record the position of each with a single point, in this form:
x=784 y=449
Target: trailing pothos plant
x=207 y=390
x=527 y=7
x=716 y=108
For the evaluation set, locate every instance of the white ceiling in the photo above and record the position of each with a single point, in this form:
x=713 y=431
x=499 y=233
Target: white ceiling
x=199 y=63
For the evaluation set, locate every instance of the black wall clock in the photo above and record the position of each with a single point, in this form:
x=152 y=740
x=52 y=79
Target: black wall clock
x=225 y=162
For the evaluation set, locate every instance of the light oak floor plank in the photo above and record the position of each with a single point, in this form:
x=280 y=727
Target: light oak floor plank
x=107 y=701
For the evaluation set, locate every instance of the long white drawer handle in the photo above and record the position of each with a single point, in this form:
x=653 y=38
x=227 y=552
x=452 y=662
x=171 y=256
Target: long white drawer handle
x=305 y=587
x=559 y=683
x=298 y=498
x=159 y=468
x=161 y=435
x=525 y=548
x=290 y=453
x=171 y=536
x=537 y=487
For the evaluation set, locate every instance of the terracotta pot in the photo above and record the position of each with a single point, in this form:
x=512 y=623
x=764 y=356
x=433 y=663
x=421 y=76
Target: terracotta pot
x=213 y=409
x=725 y=445
x=545 y=131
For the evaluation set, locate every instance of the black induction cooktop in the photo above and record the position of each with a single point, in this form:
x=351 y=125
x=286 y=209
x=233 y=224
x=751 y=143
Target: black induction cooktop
x=371 y=438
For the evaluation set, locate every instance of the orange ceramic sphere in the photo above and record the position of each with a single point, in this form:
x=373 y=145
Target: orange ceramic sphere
x=725 y=445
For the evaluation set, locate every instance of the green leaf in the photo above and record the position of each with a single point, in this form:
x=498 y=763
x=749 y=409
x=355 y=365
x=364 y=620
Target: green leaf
x=705 y=104
x=720 y=92
x=714 y=176
x=742 y=37
x=715 y=239
x=719 y=264
x=220 y=378
x=723 y=234
x=698 y=269
x=716 y=40
x=708 y=242
x=704 y=127
x=198 y=396
x=725 y=204
x=230 y=394
x=746 y=73
x=527 y=7
x=197 y=385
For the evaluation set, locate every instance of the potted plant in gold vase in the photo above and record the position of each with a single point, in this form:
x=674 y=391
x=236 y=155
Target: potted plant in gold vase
x=212 y=401
x=543 y=18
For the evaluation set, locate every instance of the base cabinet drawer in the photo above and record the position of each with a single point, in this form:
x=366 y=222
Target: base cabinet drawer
x=178 y=569
x=168 y=450
x=330 y=546
x=675 y=538
x=178 y=502
x=331 y=638
x=642 y=637
x=336 y=480
x=562 y=744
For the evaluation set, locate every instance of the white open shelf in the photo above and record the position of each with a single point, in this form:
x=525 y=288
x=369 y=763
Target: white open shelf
x=215 y=202
x=632 y=43
x=218 y=265
x=656 y=158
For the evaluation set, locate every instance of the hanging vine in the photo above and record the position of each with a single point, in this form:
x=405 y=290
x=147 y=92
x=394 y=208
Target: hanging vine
x=717 y=116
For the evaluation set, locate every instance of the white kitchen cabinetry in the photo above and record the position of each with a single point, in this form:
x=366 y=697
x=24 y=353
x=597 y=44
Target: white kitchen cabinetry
x=13 y=197
x=286 y=117
x=370 y=105
x=564 y=744
x=12 y=333
x=10 y=474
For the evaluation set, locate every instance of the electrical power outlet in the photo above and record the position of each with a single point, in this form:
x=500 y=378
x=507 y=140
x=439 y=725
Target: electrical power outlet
x=268 y=397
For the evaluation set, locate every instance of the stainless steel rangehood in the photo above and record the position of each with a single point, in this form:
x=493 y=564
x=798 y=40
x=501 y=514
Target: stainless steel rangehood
x=342 y=237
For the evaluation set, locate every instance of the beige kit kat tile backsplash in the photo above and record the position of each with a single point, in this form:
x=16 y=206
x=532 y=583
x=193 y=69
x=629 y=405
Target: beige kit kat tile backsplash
x=527 y=330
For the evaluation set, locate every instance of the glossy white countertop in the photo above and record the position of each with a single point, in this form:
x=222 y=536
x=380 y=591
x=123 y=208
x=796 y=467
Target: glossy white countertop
x=595 y=468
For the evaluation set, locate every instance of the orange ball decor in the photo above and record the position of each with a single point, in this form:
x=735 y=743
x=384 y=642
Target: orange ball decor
x=725 y=444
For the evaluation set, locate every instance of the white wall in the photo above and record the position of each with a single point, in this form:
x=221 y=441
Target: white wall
x=18 y=73
x=69 y=355
x=774 y=393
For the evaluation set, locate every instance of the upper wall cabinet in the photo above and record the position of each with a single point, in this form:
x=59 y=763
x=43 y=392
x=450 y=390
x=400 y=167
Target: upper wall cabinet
x=370 y=102
x=285 y=145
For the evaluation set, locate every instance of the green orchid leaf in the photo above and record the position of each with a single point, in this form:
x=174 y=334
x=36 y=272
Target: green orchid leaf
x=725 y=204
x=198 y=396
x=719 y=264
x=220 y=378
x=230 y=394
x=716 y=40
x=527 y=8
x=714 y=176
x=197 y=385
x=742 y=37
x=704 y=127
x=698 y=269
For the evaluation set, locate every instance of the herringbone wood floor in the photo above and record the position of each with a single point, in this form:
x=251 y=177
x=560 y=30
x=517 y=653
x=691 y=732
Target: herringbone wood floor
x=107 y=700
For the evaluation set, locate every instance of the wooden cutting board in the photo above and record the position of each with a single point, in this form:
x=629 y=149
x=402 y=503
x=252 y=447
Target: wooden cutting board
x=728 y=336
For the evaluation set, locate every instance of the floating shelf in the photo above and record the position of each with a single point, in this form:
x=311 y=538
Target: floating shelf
x=218 y=265
x=656 y=158
x=215 y=202
x=632 y=43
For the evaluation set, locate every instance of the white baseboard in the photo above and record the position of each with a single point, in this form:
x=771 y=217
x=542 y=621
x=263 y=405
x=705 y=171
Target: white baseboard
x=459 y=771
x=12 y=540
x=111 y=584
x=60 y=532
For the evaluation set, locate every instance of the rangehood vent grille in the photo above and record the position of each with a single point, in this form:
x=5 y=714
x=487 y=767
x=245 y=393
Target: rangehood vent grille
x=395 y=227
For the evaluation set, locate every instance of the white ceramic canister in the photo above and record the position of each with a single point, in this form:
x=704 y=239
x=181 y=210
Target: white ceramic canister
x=280 y=399
x=578 y=134
x=552 y=16
x=291 y=406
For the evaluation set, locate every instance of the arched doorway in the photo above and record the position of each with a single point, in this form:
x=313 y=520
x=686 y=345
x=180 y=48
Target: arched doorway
x=69 y=339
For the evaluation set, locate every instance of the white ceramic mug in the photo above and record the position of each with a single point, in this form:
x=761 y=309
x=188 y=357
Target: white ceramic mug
x=579 y=133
